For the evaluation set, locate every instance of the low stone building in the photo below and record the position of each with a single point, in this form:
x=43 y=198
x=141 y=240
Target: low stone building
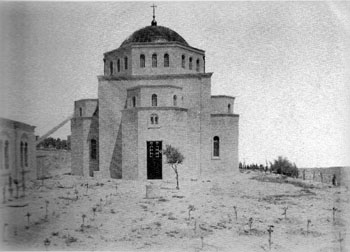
x=17 y=151
x=154 y=92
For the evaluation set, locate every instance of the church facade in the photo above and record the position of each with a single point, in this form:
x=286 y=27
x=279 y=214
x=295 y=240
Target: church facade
x=154 y=92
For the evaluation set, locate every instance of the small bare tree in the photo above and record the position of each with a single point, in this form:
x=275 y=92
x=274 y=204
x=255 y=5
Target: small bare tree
x=174 y=158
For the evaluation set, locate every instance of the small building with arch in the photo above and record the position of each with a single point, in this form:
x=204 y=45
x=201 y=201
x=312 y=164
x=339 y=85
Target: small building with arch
x=154 y=92
x=17 y=151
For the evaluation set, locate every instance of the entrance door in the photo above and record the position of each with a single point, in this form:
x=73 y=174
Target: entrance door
x=154 y=160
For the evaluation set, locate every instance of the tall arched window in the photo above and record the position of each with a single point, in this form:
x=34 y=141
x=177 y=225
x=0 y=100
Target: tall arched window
x=154 y=60
x=190 y=63
x=229 y=108
x=197 y=65
x=216 y=146
x=175 y=100
x=80 y=112
x=26 y=154
x=93 y=149
x=142 y=61
x=154 y=100
x=154 y=119
x=7 y=154
x=183 y=61
x=125 y=63
x=22 y=153
x=118 y=65
x=166 y=60
x=134 y=101
x=111 y=68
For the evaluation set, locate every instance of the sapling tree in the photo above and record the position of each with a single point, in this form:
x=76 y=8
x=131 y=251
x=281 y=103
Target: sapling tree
x=28 y=217
x=83 y=217
x=87 y=187
x=191 y=208
x=334 y=211
x=307 y=226
x=76 y=192
x=270 y=230
x=285 y=212
x=235 y=208
x=46 y=208
x=250 y=223
x=94 y=210
x=47 y=243
x=174 y=158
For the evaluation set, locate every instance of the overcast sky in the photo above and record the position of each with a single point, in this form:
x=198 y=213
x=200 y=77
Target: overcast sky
x=287 y=64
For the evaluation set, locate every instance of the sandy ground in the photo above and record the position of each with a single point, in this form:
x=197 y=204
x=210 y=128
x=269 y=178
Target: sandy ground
x=125 y=220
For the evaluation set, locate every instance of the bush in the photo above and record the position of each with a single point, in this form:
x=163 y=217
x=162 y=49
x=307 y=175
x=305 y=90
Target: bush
x=284 y=167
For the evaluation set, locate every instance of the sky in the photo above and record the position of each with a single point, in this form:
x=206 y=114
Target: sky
x=287 y=64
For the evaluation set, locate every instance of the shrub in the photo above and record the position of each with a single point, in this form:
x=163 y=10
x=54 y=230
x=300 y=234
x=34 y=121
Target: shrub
x=283 y=166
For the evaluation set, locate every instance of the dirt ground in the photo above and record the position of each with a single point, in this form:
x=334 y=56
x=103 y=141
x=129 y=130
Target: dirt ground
x=116 y=215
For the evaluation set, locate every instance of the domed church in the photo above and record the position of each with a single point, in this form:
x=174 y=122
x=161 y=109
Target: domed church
x=154 y=92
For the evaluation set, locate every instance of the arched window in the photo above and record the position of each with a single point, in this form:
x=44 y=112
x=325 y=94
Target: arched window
x=166 y=60
x=216 y=146
x=190 y=63
x=21 y=153
x=142 y=61
x=80 y=112
x=111 y=68
x=134 y=101
x=26 y=154
x=183 y=62
x=118 y=65
x=154 y=60
x=229 y=108
x=93 y=149
x=7 y=154
x=126 y=63
x=154 y=100
x=154 y=119
x=1 y=154
x=175 y=100
x=197 y=65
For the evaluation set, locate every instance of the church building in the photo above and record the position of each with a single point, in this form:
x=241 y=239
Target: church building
x=154 y=92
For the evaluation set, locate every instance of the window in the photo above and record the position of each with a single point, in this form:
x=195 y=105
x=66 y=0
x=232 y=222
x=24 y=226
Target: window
x=166 y=60
x=111 y=68
x=229 y=108
x=21 y=153
x=118 y=65
x=7 y=155
x=216 y=146
x=154 y=100
x=1 y=154
x=183 y=61
x=154 y=119
x=126 y=63
x=26 y=154
x=93 y=149
x=190 y=63
x=197 y=65
x=175 y=100
x=154 y=60
x=142 y=61
x=134 y=101
x=80 y=112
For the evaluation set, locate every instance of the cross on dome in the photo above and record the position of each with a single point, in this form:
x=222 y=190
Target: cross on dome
x=154 y=22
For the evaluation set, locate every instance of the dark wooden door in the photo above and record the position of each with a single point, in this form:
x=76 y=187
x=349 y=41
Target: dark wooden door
x=154 y=160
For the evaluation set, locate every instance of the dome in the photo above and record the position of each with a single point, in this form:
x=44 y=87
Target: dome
x=154 y=34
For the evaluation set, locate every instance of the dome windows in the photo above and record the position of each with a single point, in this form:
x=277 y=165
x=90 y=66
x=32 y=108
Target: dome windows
x=111 y=68
x=197 y=65
x=142 y=60
x=216 y=146
x=126 y=63
x=154 y=60
x=166 y=60
x=118 y=65
x=183 y=61
x=175 y=100
x=190 y=63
